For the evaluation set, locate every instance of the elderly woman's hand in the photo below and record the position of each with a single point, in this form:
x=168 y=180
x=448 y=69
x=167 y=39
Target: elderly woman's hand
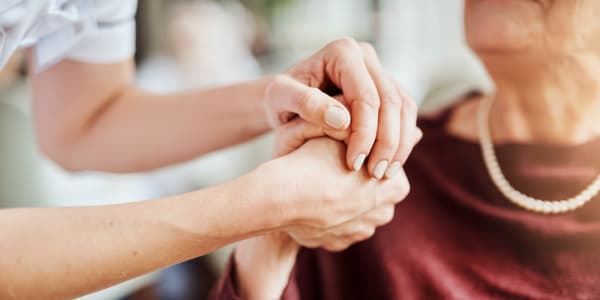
x=383 y=117
x=331 y=208
x=334 y=216
x=337 y=220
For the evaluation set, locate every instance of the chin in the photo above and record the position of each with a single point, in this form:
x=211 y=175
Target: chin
x=503 y=25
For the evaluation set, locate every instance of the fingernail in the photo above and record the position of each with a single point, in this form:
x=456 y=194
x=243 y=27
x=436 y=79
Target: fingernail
x=359 y=161
x=393 y=169
x=336 y=117
x=380 y=168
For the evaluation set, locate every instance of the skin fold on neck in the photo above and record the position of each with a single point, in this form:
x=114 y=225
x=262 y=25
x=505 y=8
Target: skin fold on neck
x=550 y=97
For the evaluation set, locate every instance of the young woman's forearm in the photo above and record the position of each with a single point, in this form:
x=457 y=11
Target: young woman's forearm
x=58 y=253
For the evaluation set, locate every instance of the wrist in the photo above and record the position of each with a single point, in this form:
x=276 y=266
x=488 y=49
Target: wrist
x=277 y=192
x=264 y=265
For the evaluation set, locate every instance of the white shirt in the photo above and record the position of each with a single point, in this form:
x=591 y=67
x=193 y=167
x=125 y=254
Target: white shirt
x=94 y=31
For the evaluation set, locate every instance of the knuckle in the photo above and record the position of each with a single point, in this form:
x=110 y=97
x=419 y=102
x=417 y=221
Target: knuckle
x=388 y=215
x=341 y=246
x=334 y=247
x=398 y=191
x=344 y=44
x=368 y=49
x=309 y=243
x=410 y=105
x=367 y=101
x=387 y=143
x=391 y=99
x=304 y=101
x=279 y=79
x=366 y=233
x=403 y=189
x=404 y=184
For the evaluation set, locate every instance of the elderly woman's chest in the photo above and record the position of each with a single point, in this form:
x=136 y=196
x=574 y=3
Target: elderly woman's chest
x=458 y=241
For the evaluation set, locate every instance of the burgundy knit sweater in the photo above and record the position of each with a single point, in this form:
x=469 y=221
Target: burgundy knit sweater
x=457 y=237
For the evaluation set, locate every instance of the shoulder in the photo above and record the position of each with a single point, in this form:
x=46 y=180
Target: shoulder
x=112 y=10
x=457 y=120
x=91 y=31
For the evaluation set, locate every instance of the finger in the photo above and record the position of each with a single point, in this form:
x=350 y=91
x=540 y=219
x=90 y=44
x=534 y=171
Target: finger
x=363 y=231
x=336 y=246
x=310 y=243
x=395 y=189
x=345 y=66
x=388 y=129
x=380 y=216
x=291 y=135
x=287 y=97
x=410 y=134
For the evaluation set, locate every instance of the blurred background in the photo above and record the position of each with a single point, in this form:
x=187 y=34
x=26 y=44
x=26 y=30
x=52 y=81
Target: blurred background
x=203 y=43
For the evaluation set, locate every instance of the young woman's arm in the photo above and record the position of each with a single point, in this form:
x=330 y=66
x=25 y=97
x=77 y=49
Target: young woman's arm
x=57 y=253
x=261 y=266
x=62 y=253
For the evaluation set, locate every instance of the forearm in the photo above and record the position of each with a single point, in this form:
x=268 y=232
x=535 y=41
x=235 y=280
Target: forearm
x=264 y=265
x=179 y=127
x=113 y=126
x=52 y=253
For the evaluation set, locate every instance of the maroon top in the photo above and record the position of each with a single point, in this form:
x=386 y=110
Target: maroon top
x=457 y=237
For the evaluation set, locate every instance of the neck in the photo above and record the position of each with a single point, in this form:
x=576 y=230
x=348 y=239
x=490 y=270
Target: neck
x=548 y=99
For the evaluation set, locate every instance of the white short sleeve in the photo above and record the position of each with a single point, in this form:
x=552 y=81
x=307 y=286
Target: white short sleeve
x=94 y=31
x=114 y=37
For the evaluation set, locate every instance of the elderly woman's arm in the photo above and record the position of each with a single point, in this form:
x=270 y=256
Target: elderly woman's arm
x=91 y=116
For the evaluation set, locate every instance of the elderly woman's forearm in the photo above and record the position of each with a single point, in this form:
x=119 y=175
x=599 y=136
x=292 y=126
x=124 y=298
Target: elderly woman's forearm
x=101 y=121
x=129 y=135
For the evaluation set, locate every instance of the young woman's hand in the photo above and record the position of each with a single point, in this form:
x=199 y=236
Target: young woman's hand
x=383 y=116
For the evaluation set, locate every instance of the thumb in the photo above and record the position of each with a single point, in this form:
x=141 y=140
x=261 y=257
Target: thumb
x=292 y=135
x=287 y=97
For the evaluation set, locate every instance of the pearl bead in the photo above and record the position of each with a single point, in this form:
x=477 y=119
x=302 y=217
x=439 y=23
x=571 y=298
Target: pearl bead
x=529 y=203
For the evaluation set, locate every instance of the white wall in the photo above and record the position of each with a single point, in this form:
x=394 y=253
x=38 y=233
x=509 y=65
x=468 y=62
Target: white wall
x=422 y=43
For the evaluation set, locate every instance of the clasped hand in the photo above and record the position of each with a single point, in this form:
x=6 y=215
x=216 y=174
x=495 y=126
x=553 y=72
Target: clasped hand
x=332 y=112
x=344 y=93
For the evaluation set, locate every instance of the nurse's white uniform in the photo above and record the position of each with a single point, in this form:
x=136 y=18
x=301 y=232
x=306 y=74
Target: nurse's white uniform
x=93 y=31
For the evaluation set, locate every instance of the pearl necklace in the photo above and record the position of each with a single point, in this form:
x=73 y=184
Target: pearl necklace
x=516 y=197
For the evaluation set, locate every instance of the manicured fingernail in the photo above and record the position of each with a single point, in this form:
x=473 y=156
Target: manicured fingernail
x=336 y=117
x=380 y=168
x=359 y=161
x=393 y=169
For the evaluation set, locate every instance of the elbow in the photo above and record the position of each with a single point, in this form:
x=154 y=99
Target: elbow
x=77 y=155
